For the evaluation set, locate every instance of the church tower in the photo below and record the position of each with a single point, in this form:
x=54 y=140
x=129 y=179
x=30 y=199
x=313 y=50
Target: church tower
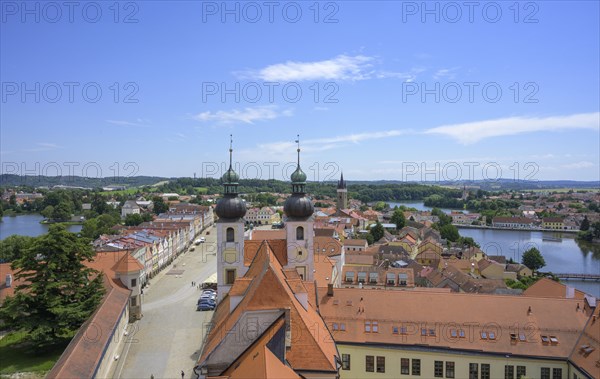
x=230 y=231
x=298 y=209
x=342 y=194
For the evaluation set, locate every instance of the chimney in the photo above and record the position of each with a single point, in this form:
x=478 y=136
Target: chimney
x=9 y=280
x=330 y=289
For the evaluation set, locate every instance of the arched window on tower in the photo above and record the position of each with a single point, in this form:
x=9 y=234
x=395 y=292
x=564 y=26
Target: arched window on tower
x=299 y=233
x=230 y=235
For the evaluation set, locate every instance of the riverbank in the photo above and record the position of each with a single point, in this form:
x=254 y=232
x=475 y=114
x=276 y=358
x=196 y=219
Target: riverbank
x=463 y=226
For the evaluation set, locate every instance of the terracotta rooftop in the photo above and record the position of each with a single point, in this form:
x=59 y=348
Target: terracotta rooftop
x=549 y=288
x=586 y=353
x=270 y=292
x=127 y=264
x=490 y=313
x=259 y=361
x=327 y=245
x=260 y=234
x=355 y=242
x=278 y=247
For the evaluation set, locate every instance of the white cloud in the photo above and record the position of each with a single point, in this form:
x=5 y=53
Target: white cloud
x=445 y=73
x=318 y=144
x=471 y=132
x=342 y=67
x=43 y=146
x=248 y=115
x=138 y=123
x=577 y=165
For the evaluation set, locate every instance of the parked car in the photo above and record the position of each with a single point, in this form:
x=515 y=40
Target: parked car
x=205 y=307
x=202 y=239
x=210 y=296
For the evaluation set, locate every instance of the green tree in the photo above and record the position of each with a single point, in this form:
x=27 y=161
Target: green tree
x=133 y=219
x=102 y=224
x=585 y=224
x=147 y=217
x=58 y=292
x=533 y=259
x=48 y=212
x=62 y=212
x=159 y=205
x=12 y=247
x=449 y=232
x=377 y=231
x=398 y=219
x=379 y=206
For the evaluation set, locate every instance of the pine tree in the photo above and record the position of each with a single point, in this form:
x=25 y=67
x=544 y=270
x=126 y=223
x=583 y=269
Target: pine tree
x=57 y=291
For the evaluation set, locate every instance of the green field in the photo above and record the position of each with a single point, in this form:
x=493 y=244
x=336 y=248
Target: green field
x=129 y=191
x=16 y=356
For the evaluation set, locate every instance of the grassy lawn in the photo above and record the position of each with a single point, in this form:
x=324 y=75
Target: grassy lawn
x=17 y=357
x=201 y=190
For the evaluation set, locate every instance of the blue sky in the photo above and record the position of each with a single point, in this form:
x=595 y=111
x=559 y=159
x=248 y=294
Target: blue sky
x=381 y=90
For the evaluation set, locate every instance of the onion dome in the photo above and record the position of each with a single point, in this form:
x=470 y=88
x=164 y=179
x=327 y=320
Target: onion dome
x=298 y=176
x=230 y=176
x=230 y=206
x=298 y=205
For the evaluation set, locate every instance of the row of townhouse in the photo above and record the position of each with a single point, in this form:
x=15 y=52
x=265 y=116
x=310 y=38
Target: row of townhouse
x=262 y=216
x=156 y=243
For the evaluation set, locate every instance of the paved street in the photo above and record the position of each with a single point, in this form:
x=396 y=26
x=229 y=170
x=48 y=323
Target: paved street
x=169 y=336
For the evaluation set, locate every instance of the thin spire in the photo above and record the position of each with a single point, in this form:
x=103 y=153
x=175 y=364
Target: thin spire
x=230 y=149
x=298 y=150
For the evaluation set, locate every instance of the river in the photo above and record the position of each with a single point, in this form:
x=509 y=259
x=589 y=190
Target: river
x=565 y=256
x=27 y=225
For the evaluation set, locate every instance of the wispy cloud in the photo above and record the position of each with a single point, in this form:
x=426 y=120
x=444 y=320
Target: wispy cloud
x=322 y=144
x=472 y=132
x=248 y=115
x=577 y=165
x=445 y=73
x=342 y=67
x=138 y=123
x=43 y=146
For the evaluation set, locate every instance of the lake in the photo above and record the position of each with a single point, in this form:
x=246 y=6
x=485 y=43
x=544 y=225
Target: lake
x=418 y=205
x=27 y=225
x=565 y=256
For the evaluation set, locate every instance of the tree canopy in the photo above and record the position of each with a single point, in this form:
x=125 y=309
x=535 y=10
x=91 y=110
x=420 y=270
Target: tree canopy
x=398 y=219
x=533 y=259
x=57 y=292
x=377 y=231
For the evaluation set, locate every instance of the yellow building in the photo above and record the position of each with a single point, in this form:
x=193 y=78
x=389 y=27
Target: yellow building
x=553 y=223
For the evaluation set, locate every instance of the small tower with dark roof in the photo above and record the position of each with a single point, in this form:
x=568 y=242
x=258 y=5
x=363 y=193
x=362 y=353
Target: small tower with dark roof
x=342 y=194
x=230 y=230
x=299 y=209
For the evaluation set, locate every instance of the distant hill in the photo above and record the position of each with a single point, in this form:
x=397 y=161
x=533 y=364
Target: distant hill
x=9 y=180
x=497 y=185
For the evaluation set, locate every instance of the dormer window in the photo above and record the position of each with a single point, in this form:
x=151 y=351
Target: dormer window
x=299 y=233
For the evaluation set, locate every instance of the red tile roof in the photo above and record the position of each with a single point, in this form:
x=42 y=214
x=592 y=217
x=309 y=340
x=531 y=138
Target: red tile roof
x=471 y=312
x=271 y=290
